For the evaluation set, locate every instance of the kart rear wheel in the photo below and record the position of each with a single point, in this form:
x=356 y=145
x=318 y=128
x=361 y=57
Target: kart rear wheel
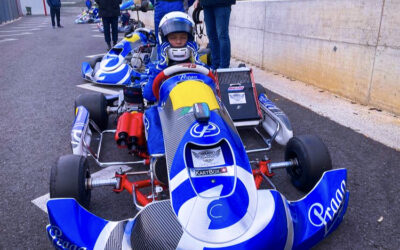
x=96 y=104
x=312 y=158
x=94 y=61
x=68 y=179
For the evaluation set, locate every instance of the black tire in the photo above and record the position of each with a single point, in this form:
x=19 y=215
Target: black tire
x=161 y=170
x=313 y=160
x=260 y=89
x=95 y=60
x=96 y=104
x=242 y=65
x=68 y=179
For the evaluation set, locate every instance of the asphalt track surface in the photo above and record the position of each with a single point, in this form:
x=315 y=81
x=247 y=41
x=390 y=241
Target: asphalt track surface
x=39 y=75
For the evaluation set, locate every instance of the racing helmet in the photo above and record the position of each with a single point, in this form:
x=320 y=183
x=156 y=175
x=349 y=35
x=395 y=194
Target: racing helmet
x=175 y=22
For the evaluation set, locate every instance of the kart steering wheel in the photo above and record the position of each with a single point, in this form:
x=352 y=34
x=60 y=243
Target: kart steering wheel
x=179 y=68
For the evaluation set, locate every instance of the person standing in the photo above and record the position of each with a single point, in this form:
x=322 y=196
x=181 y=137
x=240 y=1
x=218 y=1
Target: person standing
x=55 y=6
x=216 y=17
x=163 y=7
x=109 y=12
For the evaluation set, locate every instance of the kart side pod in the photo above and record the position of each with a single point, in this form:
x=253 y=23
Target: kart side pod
x=275 y=121
x=80 y=133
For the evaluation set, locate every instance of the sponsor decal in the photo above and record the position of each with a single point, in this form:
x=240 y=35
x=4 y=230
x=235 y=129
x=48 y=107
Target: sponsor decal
x=204 y=130
x=207 y=157
x=186 y=77
x=320 y=216
x=55 y=234
x=237 y=98
x=235 y=88
x=213 y=171
x=186 y=110
x=188 y=65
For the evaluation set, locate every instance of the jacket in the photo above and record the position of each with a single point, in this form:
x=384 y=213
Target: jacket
x=216 y=3
x=54 y=3
x=109 y=8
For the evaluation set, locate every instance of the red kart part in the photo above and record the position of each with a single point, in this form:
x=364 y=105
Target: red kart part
x=130 y=131
x=260 y=171
x=180 y=68
x=125 y=184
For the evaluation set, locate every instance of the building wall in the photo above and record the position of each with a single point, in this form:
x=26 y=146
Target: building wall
x=37 y=7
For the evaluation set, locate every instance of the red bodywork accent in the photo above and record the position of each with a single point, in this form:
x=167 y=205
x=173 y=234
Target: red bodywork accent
x=141 y=198
x=262 y=168
x=156 y=84
x=255 y=94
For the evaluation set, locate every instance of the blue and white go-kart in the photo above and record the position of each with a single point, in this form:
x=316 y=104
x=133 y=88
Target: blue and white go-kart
x=204 y=192
x=124 y=61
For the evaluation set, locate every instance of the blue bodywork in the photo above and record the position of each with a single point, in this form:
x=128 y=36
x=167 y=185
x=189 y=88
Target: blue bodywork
x=113 y=69
x=213 y=195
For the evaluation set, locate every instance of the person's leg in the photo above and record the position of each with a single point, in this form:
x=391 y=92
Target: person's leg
x=58 y=17
x=52 y=15
x=222 y=15
x=114 y=27
x=162 y=8
x=209 y=19
x=106 y=26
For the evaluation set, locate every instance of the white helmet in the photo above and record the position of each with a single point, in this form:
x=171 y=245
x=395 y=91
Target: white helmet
x=175 y=21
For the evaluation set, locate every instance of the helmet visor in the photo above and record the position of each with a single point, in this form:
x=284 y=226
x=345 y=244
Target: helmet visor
x=176 y=25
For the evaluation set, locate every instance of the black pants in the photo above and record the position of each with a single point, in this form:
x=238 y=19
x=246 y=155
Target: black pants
x=55 y=12
x=113 y=22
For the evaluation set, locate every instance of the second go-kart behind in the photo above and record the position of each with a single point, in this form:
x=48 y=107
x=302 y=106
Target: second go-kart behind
x=203 y=192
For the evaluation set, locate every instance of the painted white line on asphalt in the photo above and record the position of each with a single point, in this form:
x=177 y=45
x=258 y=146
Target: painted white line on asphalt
x=8 y=40
x=108 y=172
x=29 y=27
x=102 y=36
x=92 y=87
x=91 y=56
x=96 y=30
x=68 y=3
x=18 y=30
x=21 y=34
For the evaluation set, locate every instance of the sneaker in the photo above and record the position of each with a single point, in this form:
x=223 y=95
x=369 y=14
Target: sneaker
x=60 y=26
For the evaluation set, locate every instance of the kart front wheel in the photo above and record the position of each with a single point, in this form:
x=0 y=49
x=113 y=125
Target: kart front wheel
x=68 y=179
x=311 y=158
x=96 y=104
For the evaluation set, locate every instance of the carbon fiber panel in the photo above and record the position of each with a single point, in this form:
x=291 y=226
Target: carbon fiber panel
x=233 y=77
x=115 y=239
x=174 y=126
x=156 y=227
